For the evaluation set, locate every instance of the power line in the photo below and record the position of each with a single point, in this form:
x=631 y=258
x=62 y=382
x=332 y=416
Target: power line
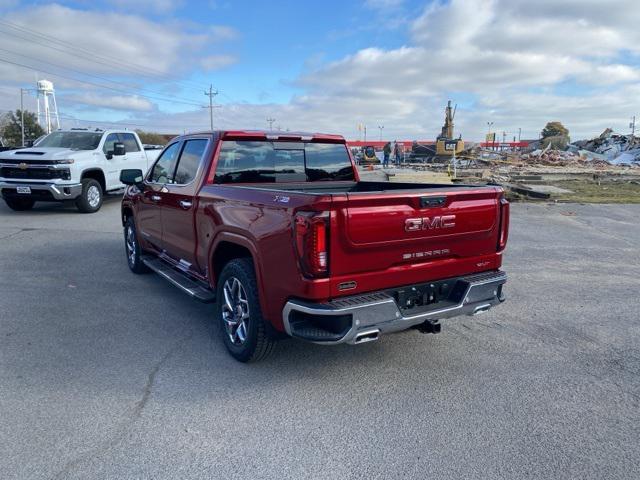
x=150 y=97
x=85 y=73
x=86 y=53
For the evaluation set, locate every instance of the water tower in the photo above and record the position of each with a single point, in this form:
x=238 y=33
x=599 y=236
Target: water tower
x=47 y=106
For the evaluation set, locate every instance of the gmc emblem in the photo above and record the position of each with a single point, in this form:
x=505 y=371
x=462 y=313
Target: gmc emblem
x=429 y=223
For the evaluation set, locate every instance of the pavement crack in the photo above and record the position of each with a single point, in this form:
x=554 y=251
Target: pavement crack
x=151 y=378
x=126 y=424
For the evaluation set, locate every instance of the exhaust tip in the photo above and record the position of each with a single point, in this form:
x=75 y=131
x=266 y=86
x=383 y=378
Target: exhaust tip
x=481 y=309
x=368 y=336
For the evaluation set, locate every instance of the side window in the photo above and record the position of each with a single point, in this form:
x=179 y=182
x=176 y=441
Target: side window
x=189 y=161
x=163 y=169
x=109 y=141
x=129 y=140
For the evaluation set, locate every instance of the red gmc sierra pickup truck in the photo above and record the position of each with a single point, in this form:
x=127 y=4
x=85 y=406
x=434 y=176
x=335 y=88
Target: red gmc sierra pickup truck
x=280 y=232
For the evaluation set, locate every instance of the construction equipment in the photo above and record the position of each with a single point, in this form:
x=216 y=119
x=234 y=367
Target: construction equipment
x=446 y=145
x=445 y=148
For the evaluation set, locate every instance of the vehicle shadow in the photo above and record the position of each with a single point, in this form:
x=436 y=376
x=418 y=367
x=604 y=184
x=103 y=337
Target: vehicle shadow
x=58 y=207
x=104 y=322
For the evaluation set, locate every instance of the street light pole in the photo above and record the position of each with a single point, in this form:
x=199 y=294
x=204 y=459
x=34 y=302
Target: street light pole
x=381 y=127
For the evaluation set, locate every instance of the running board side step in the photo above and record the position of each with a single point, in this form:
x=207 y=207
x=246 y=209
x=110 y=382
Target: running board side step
x=182 y=281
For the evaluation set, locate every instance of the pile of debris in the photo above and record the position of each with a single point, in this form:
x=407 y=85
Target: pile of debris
x=606 y=150
x=556 y=158
x=609 y=147
x=547 y=157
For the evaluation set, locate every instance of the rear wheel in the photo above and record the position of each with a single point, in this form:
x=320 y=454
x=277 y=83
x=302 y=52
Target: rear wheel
x=90 y=200
x=132 y=248
x=242 y=326
x=20 y=204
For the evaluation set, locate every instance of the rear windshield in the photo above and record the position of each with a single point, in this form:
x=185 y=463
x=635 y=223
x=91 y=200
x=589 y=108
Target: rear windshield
x=244 y=161
x=73 y=140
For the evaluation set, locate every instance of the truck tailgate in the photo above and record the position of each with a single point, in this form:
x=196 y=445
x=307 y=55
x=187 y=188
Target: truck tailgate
x=388 y=229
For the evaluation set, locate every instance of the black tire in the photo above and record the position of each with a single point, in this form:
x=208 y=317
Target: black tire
x=132 y=248
x=258 y=342
x=20 y=204
x=88 y=202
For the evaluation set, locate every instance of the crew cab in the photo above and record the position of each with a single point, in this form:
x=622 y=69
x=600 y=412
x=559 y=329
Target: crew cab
x=79 y=165
x=280 y=232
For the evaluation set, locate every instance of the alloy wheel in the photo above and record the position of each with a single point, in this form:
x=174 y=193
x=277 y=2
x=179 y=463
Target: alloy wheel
x=131 y=245
x=235 y=311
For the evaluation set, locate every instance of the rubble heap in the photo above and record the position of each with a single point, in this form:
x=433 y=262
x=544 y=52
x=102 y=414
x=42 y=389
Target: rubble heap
x=607 y=149
x=614 y=148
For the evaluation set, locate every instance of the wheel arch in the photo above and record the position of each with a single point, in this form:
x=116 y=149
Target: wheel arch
x=127 y=212
x=97 y=174
x=228 y=246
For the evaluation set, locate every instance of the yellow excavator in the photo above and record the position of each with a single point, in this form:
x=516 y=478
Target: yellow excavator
x=446 y=145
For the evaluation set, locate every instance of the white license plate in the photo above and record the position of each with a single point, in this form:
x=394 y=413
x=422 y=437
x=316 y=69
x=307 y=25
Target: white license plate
x=26 y=190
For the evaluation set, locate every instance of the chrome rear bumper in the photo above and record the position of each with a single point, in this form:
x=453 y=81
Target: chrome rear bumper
x=363 y=317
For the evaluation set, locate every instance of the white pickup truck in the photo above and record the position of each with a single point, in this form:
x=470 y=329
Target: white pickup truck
x=76 y=164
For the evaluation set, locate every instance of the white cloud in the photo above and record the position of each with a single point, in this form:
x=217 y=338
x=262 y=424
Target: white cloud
x=506 y=63
x=216 y=62
x=147 y=6
x=103 y=46
x=112 y=102
x=494 y=54
x=517 y=63
x=223 y=32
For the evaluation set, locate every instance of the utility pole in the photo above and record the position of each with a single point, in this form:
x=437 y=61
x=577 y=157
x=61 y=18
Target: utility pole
x=632 y=125
x=365 y=133
x=22 y=114
x=211 y=93
x=381 y=127
x=519 y=132
x=270 y=120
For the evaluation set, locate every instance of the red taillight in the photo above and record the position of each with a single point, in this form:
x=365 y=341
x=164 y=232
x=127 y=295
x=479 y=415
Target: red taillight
x=504 y=224
x=311 y=231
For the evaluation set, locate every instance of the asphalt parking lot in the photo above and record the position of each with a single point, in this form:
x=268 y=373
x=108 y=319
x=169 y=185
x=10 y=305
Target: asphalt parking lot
x=105 y=374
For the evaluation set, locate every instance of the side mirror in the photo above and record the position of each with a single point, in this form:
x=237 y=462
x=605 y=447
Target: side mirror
x=118 y=149
x=131 y=176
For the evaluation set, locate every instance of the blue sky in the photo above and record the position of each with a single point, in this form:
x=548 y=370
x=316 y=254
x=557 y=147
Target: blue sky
x=329 y=66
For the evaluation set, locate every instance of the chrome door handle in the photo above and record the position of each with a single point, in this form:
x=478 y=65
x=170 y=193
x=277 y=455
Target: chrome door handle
x=156 y=198
x=185 y=204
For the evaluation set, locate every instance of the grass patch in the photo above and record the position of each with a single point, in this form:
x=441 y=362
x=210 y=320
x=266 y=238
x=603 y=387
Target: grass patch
x=604 y=191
